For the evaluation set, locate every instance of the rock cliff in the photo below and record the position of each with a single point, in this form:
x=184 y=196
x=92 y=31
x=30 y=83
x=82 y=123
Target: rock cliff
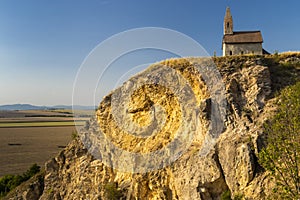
x=229 y=164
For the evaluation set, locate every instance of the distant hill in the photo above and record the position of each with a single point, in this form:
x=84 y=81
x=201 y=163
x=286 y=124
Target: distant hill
x=33 y=107
x=22 y=107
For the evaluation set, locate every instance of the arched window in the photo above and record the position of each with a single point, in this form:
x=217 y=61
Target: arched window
x=228 y=25
x=230 y=52
x=242 y=52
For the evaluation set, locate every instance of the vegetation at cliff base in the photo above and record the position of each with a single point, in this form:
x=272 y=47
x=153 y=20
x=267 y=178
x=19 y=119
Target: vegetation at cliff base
x=281 y=156
x=9 y=182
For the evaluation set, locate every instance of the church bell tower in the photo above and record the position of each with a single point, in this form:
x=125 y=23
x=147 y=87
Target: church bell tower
x=228 y=23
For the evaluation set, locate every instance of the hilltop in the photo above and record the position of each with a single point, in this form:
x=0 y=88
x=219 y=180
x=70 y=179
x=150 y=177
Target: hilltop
x=229 y=165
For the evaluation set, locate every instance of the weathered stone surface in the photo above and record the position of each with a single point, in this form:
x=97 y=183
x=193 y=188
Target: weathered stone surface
x=230 y=163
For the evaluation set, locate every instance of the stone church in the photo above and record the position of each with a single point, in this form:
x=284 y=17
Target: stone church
x=240 y=42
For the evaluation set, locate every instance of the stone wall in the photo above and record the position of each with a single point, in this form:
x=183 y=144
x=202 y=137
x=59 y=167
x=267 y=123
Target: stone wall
x=238 y=49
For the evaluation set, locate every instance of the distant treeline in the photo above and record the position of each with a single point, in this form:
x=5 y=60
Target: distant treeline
x=57 y=116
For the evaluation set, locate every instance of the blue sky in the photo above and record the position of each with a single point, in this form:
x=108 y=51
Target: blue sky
x=43 y=43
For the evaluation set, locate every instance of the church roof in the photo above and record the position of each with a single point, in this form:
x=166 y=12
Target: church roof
x=243 y=37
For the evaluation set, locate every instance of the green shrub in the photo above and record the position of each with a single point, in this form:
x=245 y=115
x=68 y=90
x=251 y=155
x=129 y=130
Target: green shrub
x=9 y=182
x=238 y=197
x=226 y=195
x=281 y=156
x=74 y=135
x=112 y=192
x=34 y=169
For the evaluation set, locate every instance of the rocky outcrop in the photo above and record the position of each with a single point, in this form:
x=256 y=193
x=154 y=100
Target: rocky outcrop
x=81 y=171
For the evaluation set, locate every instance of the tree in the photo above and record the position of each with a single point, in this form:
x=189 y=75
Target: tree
x=9 y=182
x=281 y=156
x=34 y=169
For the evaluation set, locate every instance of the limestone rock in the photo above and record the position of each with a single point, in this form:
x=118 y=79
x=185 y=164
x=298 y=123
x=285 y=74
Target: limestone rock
x=230 y=162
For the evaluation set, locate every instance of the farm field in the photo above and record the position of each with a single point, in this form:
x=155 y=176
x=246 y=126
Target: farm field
x=28 y=140
x=37 y=124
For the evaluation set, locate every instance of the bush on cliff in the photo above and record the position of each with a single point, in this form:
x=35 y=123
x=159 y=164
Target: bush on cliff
x=9 y=182
x=281 y=156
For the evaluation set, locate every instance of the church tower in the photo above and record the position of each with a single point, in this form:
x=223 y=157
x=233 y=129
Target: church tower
x=228 y=23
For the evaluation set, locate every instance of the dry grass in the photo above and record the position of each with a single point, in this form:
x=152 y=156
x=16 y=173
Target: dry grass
x=290 y=53
x=27 y=140
x=35 y=145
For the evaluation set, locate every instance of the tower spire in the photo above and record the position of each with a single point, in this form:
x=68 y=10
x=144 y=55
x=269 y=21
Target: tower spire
x=228 y=22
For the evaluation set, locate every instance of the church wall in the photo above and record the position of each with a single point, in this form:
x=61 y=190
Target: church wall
x=239 y=49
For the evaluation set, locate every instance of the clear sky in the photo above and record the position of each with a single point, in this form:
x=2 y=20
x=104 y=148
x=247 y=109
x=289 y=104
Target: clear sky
x=43 y=43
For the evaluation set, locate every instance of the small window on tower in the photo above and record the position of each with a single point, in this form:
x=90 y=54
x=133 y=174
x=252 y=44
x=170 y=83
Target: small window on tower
x=242 y=52
x=230 y=52
x=227 y=24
